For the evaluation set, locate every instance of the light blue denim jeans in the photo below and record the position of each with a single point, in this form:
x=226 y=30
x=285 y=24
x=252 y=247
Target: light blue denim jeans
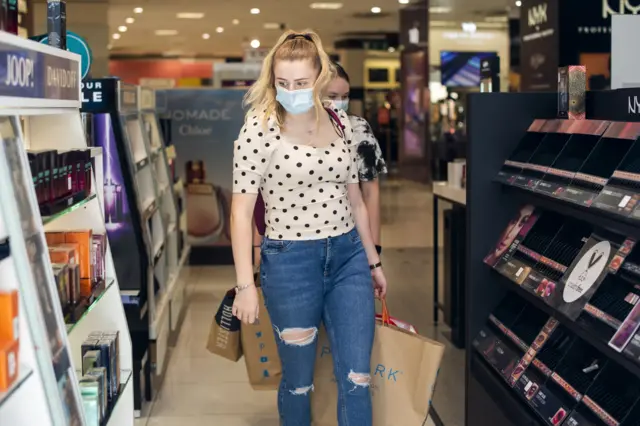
x=304 y=283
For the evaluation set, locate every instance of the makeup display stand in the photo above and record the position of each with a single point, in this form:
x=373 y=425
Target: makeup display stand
x=142 y=222
x=552 y=307
x=39 y=111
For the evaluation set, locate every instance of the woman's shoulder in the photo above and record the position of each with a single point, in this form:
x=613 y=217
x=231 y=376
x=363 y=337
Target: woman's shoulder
x=260 y=127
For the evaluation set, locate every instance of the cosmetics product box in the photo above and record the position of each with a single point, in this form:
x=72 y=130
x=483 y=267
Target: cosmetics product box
x=91 y=359
x=90 y=393
x=57 y=23
x=107 y=349
x=8 y=363
x=74 y=284
x=115 y=337
x=61 y=276
x=86 y=185
x=67 y=253
x=572 y=87
x=100 y=374
x=35 y=175
x=45 y=160
x=108 y=344
x=98 y=254
x=65 y=173
x=84 y=239
x=9 y=319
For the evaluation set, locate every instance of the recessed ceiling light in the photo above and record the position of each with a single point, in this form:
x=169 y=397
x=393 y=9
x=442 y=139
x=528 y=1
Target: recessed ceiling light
x=190 y=15
x=518 y=3
x=206 y=36
x=376 y=9
x=255 y=43
x=129 y=20
x=116 y=36
x=271 y=26
x=439 y=9
x=166 y=32
x=122 y=28
x=327 y=6
x=403 y=1
x=235 y=21
x=138 y=10
x=219 y=30
x=255 y=11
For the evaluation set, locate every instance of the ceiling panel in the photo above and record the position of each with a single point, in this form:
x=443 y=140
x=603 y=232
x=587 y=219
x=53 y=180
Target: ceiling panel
x=330 y=24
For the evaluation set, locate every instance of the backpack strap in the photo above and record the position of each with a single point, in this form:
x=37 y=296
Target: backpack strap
x=337 y=123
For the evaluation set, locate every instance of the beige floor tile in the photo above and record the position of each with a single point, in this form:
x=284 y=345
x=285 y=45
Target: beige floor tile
x=215 y=420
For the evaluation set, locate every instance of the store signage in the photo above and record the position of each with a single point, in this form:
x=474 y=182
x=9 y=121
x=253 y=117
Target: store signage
x=79 y=46
x=32 y=74
x=537 y=14
x=634 y=105
x=99 y=95
x=624 y=6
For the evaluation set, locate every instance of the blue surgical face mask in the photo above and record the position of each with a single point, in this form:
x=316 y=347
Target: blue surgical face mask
x=342 y=104
x=295 y=101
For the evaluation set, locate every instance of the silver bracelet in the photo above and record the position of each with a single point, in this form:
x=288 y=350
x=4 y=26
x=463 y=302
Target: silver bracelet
x=239 y=288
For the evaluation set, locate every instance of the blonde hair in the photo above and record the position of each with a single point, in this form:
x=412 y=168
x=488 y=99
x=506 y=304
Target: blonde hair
x=291 y=46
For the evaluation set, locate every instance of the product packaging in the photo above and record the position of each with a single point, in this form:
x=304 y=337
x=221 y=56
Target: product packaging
x=8 y=363
x=91 y=359
x=108 y=344
x=57 y=23
x=84 y=239
x=107 y=355
x=36 y=176
x=74 y=284
x=98 y=254
x=11 y=17
x=9 y=319
x=100 y=374
x=61 y=276
x=90 y=393
x=114 y=336
x=572 y=88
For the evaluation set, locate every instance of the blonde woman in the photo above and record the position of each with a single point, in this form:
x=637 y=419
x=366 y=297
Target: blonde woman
x=319 y=262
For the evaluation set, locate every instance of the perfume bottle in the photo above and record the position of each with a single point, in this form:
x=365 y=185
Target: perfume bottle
x=195 y=172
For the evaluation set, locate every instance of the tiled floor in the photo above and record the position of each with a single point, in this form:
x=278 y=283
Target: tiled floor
x=202 y=390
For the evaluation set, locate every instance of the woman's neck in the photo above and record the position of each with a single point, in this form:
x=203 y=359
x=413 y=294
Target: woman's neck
x=301 y=119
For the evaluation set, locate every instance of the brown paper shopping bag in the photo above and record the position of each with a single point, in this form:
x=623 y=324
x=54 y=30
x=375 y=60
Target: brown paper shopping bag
x=404 y=367
x=224 y=336
x=260 y=351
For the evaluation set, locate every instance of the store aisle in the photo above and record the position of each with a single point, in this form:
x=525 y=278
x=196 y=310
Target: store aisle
x=201 y=389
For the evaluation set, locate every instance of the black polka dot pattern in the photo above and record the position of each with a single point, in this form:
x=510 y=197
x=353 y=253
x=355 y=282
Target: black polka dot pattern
x=304 y=187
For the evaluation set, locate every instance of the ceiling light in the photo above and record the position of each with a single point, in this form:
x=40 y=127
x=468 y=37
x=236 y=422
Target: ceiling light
x=190 y=15
x=206 y=36
x=235 y=22
x=219 y=30
x=166 y=32
x=376 y=9
x=271 y=26
x=138 y=10
x=403 y=1
x=518 y=3
x=116 y=36
x=326 y=6
x=469 y=27
x=439 y=9
x=255 y=11
x=255 y=43
x=129 y=20
x=122 y=28
x=501 y=19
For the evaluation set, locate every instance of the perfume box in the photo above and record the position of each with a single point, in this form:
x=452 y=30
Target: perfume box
x=90 y=359
x=114 y=337
x=572 y=87
x=108 y=345
x=90 y=393
x=100 y=374
x=61 y=276
x=99 y=253
x=57 y=23
x=35 y=175
x=84 y=239
x=9 y=319
x=8 y=363
x=11 y=17
x=74 y=284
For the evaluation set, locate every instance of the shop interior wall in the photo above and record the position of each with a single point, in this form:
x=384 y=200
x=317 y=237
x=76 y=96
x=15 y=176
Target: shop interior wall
x=483 y=40
x=184 y=71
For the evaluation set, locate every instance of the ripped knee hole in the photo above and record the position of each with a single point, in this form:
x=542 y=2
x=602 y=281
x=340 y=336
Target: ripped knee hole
x=302 y=391
x=359 y=379
x=298 y=336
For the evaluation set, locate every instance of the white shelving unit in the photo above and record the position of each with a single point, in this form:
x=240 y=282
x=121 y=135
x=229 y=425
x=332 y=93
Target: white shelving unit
x=42 y=97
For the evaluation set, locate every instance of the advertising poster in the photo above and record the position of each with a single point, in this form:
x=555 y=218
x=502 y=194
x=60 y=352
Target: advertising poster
x=539 y=45
x=204 y=125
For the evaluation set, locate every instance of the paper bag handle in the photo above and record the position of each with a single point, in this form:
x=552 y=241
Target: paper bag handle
x=386 y=318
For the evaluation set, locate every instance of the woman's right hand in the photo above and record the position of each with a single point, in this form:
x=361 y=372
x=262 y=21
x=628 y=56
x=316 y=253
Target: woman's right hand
x=245 y=305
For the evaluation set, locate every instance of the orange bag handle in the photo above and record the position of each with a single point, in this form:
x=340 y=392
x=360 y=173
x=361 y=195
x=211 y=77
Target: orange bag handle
x=386 y=318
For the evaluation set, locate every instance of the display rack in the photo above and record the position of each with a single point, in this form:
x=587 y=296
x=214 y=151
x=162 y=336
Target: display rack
x=552 y=308
x=142 y=212
x=39 y=112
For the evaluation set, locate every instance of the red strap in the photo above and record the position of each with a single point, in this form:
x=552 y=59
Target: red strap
x=336 y=120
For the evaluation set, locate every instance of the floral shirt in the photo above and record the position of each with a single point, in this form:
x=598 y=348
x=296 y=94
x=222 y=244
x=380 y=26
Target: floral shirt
x=370 y=164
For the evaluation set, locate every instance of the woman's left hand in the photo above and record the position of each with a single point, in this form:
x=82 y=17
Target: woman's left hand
x=379 y=283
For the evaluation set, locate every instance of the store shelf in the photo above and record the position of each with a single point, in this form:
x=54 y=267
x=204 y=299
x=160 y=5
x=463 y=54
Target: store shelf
x=592 y=215
x=82 y=309
x=24 y=374
x=74 y=203
x=166 y=297
x=149 y=207
x=579 y=328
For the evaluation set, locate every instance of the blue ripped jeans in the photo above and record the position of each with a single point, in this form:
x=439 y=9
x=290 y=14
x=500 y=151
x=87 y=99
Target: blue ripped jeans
x=304 y=283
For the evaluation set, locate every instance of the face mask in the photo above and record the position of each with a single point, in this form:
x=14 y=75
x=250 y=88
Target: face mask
x=295 y=101
x=342 y=104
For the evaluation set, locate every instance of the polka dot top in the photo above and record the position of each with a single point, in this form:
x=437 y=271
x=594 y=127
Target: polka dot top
x=304 y=188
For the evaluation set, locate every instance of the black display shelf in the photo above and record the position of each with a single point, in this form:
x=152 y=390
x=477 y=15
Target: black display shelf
x=496 y=124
